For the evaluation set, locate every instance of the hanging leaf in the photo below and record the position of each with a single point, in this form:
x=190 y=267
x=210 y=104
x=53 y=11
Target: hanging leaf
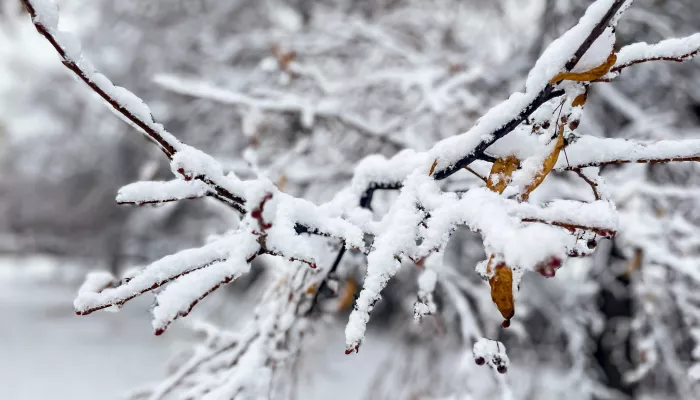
x=347 y=296
x=580 y=100
x=547 y=167
x=588 y=76
x=501 y=172
x=502 y=291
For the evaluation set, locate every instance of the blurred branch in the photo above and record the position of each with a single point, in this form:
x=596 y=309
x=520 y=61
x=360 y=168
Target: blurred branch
x=100 y=85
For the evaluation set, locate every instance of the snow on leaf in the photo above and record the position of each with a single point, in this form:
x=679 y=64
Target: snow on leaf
x=501 y=172
x=547 y=165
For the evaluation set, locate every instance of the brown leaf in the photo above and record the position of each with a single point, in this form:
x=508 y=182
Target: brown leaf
x=587 y=76
x=502 y=290
x=580 y=100
x=432 y=169
x=347 y=296
x=547 y=167
x=501 y=172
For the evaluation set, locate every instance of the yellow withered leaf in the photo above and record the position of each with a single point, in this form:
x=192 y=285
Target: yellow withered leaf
x=502 y=291
x=580 y=100
x=548 y=165
x=587 y=76
x=347 y=296
x=432 y=169
x=501 y=172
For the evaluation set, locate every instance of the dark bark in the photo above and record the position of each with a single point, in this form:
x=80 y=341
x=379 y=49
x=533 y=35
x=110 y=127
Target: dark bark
x=615 y=303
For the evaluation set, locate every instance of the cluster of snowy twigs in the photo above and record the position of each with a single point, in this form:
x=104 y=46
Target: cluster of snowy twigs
x=523 y=139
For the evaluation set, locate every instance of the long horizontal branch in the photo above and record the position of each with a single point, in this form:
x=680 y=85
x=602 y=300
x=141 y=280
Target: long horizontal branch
x=590 y=151
x=674 y=49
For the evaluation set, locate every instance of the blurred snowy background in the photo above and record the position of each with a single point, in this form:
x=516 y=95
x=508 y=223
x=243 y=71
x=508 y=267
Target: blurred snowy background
x=302 y=90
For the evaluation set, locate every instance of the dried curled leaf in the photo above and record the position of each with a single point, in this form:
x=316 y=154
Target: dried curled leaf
x=587 y=76
x=548 y=165
x=501 y=172
x=502 y=290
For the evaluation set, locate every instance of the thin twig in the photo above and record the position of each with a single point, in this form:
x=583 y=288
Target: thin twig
x=476 y=174
x=646 y=160
x=594 y=186
x=600 y=231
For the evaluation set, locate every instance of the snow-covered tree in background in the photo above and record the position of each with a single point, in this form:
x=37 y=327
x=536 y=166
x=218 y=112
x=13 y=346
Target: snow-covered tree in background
x=327 y=86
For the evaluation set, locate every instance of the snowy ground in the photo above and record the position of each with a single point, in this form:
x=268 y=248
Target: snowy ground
x=47 y=352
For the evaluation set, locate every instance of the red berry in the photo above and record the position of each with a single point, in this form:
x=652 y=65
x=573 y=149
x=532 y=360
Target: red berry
x=546 y=271
x=555 y=262
x=502 y=369
x=480 y=361
x=505 y=323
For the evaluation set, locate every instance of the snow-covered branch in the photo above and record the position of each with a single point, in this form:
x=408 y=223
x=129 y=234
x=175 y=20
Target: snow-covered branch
x=589 y=151
x=522 y=137
x=676 y=49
